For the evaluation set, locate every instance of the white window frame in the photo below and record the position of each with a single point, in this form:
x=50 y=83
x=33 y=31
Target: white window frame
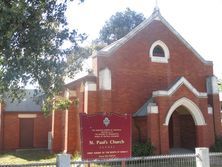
x=105 y=79
x=165 y=49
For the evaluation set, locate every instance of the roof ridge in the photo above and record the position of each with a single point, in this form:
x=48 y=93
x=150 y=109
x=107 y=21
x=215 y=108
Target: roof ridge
x=154 y=16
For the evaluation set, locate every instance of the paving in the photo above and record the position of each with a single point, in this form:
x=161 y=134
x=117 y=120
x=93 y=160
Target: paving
x=181 y=151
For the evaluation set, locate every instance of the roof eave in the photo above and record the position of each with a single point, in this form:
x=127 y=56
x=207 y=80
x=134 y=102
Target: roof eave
x=89 y=77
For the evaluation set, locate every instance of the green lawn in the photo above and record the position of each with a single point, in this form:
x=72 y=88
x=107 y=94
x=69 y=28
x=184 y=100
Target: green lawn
x=26 y=156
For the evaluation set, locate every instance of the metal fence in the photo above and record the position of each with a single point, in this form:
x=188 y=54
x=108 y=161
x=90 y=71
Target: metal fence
x=215 y=159
x=30 y=165
x=187 y=160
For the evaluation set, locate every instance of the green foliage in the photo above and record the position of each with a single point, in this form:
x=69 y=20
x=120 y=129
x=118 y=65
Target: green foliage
x=143 y=149
x=58 y=103
x=76 y=156
x=119 y=25
x=217 y=147
x=62 y=104
x=220 y=85
x=75 y=60
x=32 y=34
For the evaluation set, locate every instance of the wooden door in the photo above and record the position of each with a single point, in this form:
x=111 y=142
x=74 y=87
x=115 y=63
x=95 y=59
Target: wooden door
x=26 y=132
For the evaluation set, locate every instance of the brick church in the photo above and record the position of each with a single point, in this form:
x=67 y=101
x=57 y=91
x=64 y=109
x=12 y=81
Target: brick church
x=154 y=74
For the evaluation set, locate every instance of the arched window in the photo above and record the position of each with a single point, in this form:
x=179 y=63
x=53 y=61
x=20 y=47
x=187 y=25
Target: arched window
x=159 y=52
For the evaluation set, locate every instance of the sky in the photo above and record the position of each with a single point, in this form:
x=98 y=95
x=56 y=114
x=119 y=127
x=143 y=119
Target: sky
x=199 y=22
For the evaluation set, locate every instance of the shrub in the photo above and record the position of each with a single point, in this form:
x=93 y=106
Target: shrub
x=143 y=149
x=76 y=156
x=217 y=147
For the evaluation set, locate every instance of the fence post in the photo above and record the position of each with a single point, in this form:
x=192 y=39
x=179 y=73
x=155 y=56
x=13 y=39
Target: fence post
x=63 y=160
x=203 y=158
x=123 y=163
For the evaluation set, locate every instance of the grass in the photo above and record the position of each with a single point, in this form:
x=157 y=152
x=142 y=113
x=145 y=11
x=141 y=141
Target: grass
x=26 y=156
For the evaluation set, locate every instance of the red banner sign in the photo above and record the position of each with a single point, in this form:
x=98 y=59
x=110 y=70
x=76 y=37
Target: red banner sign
x=105 y=136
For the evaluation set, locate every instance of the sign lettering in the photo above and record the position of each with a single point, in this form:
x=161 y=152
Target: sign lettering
x=105 y=136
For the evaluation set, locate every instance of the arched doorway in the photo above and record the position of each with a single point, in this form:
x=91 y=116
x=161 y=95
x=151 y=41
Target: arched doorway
x=186 y=116
x=182 y=129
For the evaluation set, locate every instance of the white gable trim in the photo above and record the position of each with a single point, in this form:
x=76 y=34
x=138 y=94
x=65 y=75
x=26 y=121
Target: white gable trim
x=181 y=81
x=155 y=16
x=192 y=108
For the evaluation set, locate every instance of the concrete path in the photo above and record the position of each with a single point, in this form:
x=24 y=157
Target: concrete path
x=181 y=151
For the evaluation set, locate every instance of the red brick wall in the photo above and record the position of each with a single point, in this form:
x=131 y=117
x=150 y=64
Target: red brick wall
x=105 y=101
x=215 y=103
x=92 y=102
x=58 y=126
x=11 y=131
x=153 y=131
x=73 y=130
x=134 y=76
x=1 y=127
x=204 y=134
x=139 y=129
x=42 y=125
x=58 y=131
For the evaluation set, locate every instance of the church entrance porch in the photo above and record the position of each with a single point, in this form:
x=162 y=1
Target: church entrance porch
x=183 y=126
x=182 y=129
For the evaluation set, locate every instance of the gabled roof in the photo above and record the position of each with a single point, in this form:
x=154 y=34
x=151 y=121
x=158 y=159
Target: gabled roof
x=88 y=77
x=27 y=104
x=143 y=110
x=173 y=88
x=108 y=50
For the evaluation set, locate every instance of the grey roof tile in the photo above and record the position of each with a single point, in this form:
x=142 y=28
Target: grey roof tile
x=27 y=104
x=143 y=109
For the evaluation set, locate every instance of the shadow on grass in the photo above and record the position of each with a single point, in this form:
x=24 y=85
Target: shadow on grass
x=28 y=155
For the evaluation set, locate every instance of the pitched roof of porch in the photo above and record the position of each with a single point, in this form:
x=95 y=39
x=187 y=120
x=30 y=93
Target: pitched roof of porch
x=143 y=110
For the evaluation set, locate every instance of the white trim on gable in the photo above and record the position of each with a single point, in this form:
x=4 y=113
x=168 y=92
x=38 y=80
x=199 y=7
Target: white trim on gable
x=192 y=108
x=108 y=50
x=181 y=81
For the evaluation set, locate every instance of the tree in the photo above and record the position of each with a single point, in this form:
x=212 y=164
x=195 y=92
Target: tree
x=119 y=25
x=220 y=84
x=32 y=34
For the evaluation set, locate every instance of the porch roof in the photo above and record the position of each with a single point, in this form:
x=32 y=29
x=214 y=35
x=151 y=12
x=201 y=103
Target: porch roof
x=143 y=109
